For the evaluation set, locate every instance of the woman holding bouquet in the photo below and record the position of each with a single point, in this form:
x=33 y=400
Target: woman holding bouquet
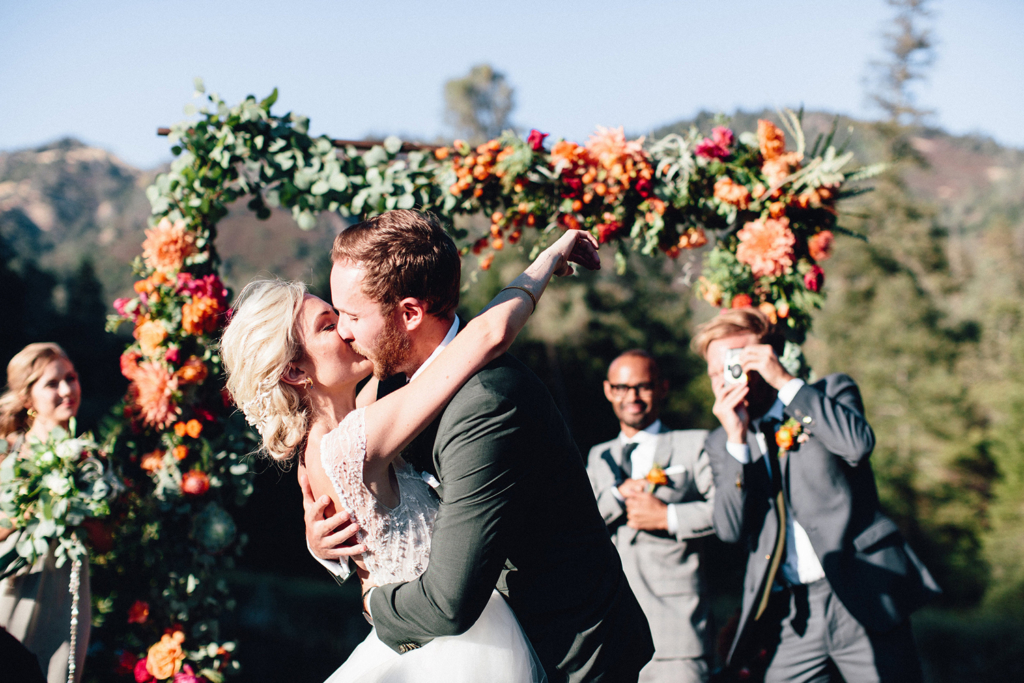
x=35 y=606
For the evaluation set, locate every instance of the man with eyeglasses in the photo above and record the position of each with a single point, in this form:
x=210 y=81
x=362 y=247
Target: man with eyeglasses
x=658 y=528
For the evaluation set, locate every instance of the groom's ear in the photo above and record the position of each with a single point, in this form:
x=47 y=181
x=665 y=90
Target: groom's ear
x=411 y=312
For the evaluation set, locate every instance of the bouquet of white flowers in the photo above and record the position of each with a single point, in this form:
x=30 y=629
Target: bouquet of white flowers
x=47 y=491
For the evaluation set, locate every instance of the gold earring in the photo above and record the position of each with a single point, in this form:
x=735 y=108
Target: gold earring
x=309 y=382
x=31 y=412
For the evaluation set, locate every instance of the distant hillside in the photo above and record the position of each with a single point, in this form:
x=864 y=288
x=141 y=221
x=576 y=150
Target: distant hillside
x=65 y=202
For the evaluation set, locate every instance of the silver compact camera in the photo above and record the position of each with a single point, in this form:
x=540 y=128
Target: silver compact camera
x=733 y=369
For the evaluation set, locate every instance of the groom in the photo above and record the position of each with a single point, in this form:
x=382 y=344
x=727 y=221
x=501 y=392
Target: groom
x=516 y=512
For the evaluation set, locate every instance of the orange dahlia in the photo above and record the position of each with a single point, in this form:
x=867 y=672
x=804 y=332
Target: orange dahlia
x=766 y=245
x=732 y=193
x=151 y=334
x=194 y=371
x=770 y=139
x=152 y=461
x=610 y=148
x=776 y=170
x=566 y=151
x=153 y=390
x=168 y=245
x=200 y=315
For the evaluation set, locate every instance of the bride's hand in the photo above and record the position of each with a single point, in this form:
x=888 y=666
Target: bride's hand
x=575 y=246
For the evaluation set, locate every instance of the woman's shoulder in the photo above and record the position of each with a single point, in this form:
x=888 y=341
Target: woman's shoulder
x=346 y=438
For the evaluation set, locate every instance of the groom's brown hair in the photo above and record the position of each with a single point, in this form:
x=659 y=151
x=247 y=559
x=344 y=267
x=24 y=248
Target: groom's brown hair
x=405 y=254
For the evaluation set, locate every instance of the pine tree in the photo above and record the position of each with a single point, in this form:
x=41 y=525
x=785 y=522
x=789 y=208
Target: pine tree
x=885 y=325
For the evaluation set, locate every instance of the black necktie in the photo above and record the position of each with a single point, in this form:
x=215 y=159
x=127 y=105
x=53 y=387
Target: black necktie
x=627 y=463
x=767 y=428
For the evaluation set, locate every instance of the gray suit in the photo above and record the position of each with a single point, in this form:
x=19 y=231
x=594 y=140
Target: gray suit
x=665 y=571
x=830 y=490
x=517 y=511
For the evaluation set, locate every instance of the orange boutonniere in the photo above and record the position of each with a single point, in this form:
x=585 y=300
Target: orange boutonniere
x=789 y=434
x=656 y=477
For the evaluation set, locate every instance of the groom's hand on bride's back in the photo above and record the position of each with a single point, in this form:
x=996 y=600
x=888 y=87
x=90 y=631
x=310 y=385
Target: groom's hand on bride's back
x=330 y=538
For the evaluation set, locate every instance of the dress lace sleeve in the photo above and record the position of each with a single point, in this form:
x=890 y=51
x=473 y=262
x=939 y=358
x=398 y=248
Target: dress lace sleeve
x=397 y=540
x=342 y=453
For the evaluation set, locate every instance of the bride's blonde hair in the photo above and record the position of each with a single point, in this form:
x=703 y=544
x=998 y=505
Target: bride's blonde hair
x=257 y=346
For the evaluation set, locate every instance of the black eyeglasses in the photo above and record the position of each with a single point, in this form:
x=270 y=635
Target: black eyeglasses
x=646 y=388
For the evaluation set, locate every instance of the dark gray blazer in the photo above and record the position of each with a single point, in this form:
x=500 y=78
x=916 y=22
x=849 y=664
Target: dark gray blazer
x=517 y=512
x=664 y=571
x=831 y=492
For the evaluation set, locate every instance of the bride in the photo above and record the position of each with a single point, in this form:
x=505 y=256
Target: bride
x=295 y=380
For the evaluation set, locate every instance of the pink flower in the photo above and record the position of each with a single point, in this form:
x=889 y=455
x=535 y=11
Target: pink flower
x=536 y=140
x=766 y=245
x=121 y=305
x=173 y=355
x=717 y=146
x=814 y=279
x=186 y=676
x=820 y=245
x=722 y=136
x=142 y=674
x=208 y=286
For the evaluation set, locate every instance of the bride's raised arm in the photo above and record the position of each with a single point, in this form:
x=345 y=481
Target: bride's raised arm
x=393 y=421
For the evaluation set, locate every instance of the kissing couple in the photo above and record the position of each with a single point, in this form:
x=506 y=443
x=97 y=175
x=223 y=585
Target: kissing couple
x=468 y=512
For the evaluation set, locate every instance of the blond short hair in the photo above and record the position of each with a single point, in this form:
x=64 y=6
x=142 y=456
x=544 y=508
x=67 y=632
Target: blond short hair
x=257 y=346
x=733 y=322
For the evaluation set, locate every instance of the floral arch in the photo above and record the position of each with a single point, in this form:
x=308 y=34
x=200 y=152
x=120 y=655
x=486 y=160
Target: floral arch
x=770 y=212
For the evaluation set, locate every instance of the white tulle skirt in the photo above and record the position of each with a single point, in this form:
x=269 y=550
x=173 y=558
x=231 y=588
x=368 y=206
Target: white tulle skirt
x=494 y=650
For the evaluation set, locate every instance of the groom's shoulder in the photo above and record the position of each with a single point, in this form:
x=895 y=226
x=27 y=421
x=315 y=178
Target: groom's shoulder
x=504 y=376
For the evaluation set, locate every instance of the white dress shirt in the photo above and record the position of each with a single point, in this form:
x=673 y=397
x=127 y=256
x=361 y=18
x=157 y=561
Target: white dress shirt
x=802 y=565
x=341 y=568
x=641 y=462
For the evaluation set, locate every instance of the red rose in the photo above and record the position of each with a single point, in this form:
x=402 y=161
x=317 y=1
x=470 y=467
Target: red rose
x=573 y=187
x=126 y=662
x=536 y=140
x=173 y=355
x=644 y=187
x=605 y=231
x=195 y=483
x=142 y=674
x=814 y=279
x=742 y=301
x=138 y=613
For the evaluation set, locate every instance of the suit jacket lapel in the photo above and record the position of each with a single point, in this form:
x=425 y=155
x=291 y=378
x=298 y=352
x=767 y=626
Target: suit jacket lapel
x=663 y=449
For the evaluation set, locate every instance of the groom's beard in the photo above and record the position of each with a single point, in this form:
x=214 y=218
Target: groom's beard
x=390 y=352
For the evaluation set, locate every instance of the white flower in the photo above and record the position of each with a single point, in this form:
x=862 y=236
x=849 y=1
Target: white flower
x=57 y=483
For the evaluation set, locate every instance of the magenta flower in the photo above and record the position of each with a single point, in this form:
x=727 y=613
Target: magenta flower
x=814 y=279
x=536 y=140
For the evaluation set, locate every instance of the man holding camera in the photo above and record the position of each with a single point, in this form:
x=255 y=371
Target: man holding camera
x=830 y=582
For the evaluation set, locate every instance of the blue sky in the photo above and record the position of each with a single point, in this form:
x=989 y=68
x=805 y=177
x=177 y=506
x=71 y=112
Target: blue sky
x=110 y=71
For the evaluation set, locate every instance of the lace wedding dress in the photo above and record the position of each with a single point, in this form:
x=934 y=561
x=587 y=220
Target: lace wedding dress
x=493 y=650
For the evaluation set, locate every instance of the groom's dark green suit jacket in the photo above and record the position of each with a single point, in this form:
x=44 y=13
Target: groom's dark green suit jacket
x=517 y=512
